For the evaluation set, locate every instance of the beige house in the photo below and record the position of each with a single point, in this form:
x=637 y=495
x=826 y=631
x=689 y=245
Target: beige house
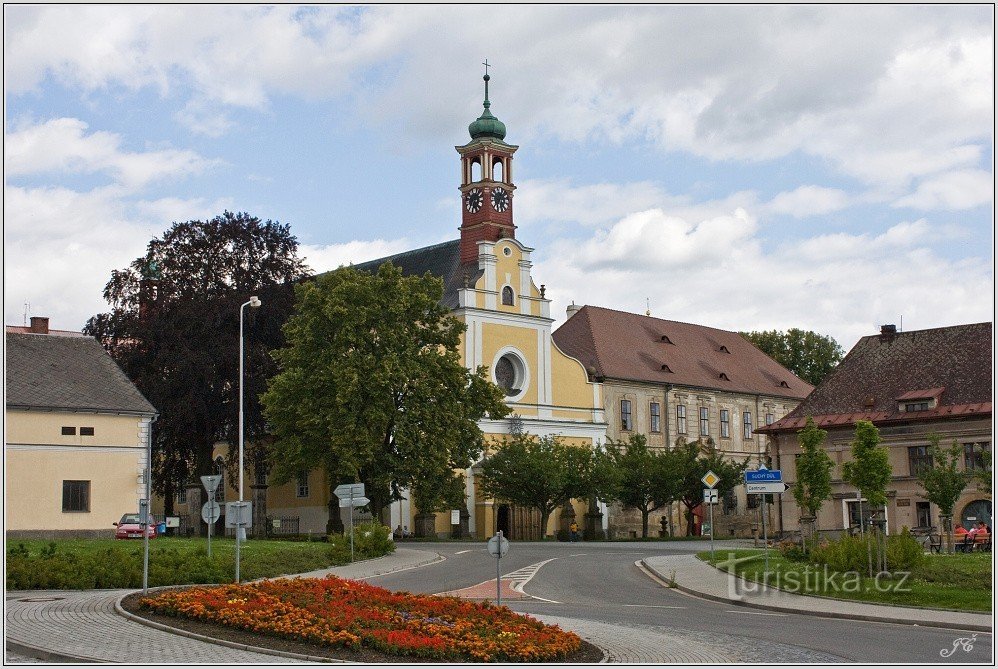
x=670 y=381
x=909 y=385
x=76 y=439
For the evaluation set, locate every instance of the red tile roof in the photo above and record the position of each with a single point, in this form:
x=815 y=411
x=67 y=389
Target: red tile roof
x=620 y=345
x=952 y=363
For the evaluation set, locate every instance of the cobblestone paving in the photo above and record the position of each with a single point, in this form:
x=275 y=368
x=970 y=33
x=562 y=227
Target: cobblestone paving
x=84 y=625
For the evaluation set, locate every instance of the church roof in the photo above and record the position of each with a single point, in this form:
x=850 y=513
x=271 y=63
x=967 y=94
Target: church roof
x=441 y=260
x=55 y=372
x=631 y=347
x=949 y=364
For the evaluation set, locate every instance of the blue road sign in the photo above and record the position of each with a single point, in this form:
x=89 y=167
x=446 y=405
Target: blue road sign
x=763 y=476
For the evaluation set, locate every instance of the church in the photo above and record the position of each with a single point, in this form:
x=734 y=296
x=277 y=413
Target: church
x=490 y=288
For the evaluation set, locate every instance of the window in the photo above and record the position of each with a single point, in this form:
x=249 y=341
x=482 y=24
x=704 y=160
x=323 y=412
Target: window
x=86 y=431
x=182 y=495
x=301 y=490
x=752 y=501
x=747 y=425
x=919 y=459
x=973 y=455
x=770 y=419
x=68 y=431
x=681 y=418
x=220 y=470
x=75 y=496
x=625 y=415
x=916 y=406
x=510 y=374
x=655 y=411
x=725 y=423
x=923 y=517
x=854 y=511
x=507 y=295
x=704 y=421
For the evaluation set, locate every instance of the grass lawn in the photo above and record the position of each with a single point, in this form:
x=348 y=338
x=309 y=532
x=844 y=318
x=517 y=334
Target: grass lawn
x=959 y=581
x=109 y=563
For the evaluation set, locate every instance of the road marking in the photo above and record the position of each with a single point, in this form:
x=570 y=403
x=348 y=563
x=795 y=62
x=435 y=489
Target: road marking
x=757 y=613
x=467 y=551
x=656 y=606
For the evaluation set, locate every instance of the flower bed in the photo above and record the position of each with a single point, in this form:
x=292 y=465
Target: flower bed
x=350 y=614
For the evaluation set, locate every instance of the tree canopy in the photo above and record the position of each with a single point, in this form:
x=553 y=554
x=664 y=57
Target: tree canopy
x=371 y=386
x=542 y=473
x=647 y=479
x=174 y=329
x=814 y=470
x=694 y=459
x=870 y=467
x=807 y=354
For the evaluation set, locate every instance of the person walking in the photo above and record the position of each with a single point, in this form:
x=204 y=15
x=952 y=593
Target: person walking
x=574 y=529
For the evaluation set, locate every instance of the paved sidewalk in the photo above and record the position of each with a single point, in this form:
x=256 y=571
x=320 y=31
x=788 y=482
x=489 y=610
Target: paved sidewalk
x=696 y=577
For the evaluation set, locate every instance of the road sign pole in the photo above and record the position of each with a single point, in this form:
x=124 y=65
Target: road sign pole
x=712 y=531
x=351 y=524
x=765 y=540
x=211 y=505
x=498 y=578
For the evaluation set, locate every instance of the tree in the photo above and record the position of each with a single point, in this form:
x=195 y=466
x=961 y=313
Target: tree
x=371 y=386
x=944 y=482
x=814 y=471
x=693 y=460
x=540 y=473
x=174 y=330
x=647 y=479
x=807 y=354
x=870 y=472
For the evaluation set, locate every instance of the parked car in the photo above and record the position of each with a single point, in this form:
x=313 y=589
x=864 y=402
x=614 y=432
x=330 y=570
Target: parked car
x=129 y=527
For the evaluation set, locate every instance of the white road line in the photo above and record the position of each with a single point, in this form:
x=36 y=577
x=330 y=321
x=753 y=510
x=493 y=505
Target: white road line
x=656 y=606
x=467 y=551
x=757 y=613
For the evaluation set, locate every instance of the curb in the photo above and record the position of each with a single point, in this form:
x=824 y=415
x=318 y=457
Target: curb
x=47 y=655
x=973 y=627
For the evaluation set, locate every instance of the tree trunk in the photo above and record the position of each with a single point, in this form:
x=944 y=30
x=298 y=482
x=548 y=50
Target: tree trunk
x=334 y=525
x=545 y=514
x=689 y=519
x=644 y=521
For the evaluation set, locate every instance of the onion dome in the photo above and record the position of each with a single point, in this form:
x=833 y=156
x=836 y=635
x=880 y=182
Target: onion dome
x=487 y=125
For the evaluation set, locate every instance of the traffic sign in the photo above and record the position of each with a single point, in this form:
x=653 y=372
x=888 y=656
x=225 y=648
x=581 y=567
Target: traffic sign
x=768 y=488
x=353 y=501
x=763 y=475
x=211 y=482
x=710 y=496
x=710 y=479
x=210 y=512
x=349 y=490
x=498 y=546
x=238 y=514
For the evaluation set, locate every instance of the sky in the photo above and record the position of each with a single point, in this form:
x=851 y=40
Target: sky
x=743 y=167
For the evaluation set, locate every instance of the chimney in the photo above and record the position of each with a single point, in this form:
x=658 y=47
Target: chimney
x=888 y=332
x=39 y=325
x=570 y=311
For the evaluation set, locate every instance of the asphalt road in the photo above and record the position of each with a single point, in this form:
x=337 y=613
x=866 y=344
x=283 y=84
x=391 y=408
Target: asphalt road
x=600 y=582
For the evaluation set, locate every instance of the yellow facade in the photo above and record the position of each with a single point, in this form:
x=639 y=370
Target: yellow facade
x=39 y=458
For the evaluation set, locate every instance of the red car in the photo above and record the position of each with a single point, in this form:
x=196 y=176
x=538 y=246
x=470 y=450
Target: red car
x=129 y=527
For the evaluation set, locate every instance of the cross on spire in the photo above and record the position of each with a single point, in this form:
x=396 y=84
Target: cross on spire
x=486 y=64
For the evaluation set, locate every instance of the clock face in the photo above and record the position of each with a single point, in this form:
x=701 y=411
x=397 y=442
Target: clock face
x=500 y=199
x=473 y=200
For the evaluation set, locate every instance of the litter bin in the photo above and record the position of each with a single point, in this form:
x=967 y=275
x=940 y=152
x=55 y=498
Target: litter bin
x=161 y=528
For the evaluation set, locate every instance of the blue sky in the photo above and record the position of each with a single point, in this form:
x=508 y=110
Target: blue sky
x=742 y=167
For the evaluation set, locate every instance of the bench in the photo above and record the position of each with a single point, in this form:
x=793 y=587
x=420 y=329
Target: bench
x=982 y=542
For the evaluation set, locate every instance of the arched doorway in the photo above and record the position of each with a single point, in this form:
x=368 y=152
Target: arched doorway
x=502 y=520
x=975 y=512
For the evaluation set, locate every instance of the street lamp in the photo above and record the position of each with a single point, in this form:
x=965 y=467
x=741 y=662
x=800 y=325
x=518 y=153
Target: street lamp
x=253 y=302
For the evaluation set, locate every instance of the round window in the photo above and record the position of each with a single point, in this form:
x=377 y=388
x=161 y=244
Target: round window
x=507 y=251
x=509 y=374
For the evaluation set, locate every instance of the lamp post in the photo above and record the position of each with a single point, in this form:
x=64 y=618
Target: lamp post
x=253 y=302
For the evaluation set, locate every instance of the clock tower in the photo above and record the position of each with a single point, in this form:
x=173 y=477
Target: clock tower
x=486 y=183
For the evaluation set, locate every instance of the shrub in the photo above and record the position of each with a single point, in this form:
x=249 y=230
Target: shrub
x=370 y=540
x=791 y=550
x=852 y=553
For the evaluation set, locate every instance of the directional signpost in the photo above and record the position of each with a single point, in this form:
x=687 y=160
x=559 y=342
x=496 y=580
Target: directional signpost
x=764 y=481
x=351 y=495
x=210 y=510
x=498 y=546
x=710 y=479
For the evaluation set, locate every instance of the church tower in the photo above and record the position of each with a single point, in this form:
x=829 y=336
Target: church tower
x=486 y=183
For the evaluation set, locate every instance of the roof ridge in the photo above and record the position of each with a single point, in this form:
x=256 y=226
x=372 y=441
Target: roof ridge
x=662 y=320
x=408 y=252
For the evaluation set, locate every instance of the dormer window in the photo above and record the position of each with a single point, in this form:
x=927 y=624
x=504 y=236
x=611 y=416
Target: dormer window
x=784 y=384
x=665 y=368
x=724 y=349
x=916 y=406
x=919 y=400
x=724 y=377
x=665 y=339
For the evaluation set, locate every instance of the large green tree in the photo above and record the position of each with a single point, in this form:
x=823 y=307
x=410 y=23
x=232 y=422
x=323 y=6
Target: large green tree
x=809 y=355
x=541 y=473
x=814 y=471
x=174 y=329
x=647 y=479
x=371 y=386
x=945 y=480
x=693 y=460
x=870 y=472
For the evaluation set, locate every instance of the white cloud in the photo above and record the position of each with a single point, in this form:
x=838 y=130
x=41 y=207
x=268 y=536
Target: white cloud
x=808 y=201
x=959 y=189
x=331 y=256
x=63 y=145
x=717 y=273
